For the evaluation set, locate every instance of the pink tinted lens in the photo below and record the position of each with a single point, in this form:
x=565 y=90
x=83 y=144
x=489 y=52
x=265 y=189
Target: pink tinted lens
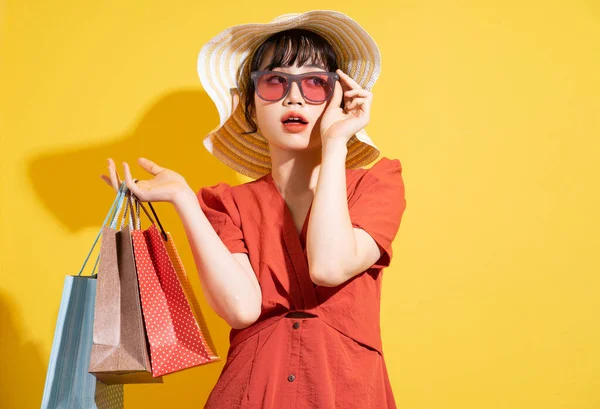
x=271 y=86
x=317 y=87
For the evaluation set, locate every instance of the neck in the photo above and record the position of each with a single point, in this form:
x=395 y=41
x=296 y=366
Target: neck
x=296 y=172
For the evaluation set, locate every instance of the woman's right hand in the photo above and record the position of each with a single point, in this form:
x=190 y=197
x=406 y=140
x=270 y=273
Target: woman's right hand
x=165 y=186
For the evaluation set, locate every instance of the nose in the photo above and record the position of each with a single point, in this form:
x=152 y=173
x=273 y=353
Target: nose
x=294 y=96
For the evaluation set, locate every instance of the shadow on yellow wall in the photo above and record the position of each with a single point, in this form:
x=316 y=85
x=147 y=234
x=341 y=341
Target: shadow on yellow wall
x=169 y=133
x=22 y=368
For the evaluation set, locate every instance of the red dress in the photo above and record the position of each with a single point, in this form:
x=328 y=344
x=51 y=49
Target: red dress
x=332 y=360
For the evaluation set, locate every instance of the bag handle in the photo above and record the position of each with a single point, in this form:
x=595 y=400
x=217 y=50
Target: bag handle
x=139 y=204
x=118 y=202
x=127 y=213
x=162 y=231
x=113 y=223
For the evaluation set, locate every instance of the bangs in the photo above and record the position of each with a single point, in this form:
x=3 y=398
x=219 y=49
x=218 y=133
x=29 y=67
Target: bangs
x=296 y=46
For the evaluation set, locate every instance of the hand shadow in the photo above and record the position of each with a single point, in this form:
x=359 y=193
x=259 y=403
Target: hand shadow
x=170 y=133
x=68 y=183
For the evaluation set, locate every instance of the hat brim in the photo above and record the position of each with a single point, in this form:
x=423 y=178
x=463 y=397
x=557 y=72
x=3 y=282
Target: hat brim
x=218 y=65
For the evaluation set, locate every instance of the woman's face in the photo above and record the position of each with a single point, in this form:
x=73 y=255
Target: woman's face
x=268 y=115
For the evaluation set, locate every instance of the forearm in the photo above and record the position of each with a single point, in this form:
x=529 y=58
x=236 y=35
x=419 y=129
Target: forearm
x=226 y=285
x=330 y=236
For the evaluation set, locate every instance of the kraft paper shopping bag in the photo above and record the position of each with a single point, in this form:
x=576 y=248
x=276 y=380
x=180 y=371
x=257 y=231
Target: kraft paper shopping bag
x=120 y=351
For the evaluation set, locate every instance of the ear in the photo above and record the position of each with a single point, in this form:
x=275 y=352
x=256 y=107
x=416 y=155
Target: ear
x=235 y=99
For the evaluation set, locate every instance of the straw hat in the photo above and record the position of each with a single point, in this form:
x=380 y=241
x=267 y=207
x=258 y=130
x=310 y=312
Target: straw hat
x=218 y=64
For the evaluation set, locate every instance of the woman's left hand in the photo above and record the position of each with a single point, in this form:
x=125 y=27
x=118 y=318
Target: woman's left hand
x=343 y=123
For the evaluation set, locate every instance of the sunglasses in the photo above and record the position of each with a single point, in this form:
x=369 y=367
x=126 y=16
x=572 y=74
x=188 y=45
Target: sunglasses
x=274 y=85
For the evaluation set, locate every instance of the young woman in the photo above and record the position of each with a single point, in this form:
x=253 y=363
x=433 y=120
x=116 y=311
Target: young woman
x=292 y=260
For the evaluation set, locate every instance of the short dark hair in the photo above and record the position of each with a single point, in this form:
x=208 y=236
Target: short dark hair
x=294 y=46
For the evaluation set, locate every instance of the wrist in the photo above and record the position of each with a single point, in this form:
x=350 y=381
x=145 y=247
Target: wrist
x=335 y=146
x=183 y=198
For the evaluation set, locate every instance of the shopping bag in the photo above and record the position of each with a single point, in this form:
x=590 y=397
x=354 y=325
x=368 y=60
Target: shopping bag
x=189 y=295
x=176 y=339
x=120 y=351
x=68 y=384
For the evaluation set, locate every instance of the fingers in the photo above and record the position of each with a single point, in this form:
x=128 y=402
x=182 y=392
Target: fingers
x=150 y=166
x=131 y=184
x=358 y=92
x=336 y=99
x=113 y=175
x=356 y=95
x=113 y=179
x=348 y=80
x=106 y=179
x=355 y=102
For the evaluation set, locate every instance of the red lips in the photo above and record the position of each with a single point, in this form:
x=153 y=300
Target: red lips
x=293 y=114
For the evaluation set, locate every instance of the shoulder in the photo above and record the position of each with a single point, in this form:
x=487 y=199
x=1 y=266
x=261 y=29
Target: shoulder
x=233 y=194
x=385 y=167
x=219 y=192
x=385 y=172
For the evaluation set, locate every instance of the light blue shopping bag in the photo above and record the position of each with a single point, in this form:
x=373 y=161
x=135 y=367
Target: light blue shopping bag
x=68 y=383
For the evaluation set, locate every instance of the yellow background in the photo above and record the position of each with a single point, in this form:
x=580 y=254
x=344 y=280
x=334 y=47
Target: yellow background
x=492 y=107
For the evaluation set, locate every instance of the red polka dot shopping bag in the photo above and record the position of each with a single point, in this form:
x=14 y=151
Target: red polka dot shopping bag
x=189 y=294
x=177 y=335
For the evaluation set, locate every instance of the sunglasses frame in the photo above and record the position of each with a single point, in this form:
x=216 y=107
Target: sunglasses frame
x=297 y=78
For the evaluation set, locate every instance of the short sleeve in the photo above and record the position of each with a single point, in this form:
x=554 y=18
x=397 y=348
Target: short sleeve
x=220 y=209
x=378 y=205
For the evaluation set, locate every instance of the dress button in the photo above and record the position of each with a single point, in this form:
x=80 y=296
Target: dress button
x=291 y=378
x=296 y=325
